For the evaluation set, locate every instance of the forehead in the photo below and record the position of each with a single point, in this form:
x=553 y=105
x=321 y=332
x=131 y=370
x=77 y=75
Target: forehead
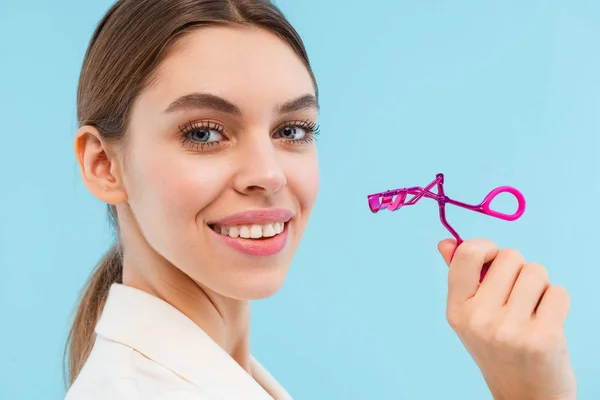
x=248 y=66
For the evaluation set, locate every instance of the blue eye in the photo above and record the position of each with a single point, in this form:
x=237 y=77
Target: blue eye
x=205 y=135
x=293 y=133
x=202 y=135
x=297 y=131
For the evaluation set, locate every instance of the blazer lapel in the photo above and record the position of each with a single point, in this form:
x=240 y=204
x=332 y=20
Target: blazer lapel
x=162 y=333
x=268 y=382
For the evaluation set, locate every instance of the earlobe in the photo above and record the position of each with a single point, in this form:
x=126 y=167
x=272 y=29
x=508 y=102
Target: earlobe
x=99 y=169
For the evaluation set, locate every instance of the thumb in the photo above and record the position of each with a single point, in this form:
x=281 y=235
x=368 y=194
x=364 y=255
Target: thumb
x=447 y=247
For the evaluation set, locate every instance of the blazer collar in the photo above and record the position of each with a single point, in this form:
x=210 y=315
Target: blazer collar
x=165 y=335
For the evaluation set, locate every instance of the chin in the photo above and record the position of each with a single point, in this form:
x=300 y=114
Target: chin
x=260 y=293
x=258 y=284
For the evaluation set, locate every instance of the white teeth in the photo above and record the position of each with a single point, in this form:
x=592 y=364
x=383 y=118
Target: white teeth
x=234 y=232
x=268 y=230
x=251 y=231
x=245 y=232
x=256 y=231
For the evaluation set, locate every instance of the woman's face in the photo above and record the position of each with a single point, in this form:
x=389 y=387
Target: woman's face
x=221 y=169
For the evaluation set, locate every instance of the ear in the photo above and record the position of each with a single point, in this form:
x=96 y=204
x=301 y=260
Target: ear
x=99 y=169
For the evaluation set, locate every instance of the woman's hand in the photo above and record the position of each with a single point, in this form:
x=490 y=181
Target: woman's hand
x=512 y=323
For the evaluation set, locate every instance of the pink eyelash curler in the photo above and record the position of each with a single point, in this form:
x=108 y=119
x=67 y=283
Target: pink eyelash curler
x=395 y=199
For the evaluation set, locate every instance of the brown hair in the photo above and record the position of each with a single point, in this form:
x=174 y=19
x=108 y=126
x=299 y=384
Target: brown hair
x=124 y=51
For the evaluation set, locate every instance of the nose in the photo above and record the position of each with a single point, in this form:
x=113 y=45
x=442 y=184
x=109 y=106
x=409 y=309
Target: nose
x=260 y=169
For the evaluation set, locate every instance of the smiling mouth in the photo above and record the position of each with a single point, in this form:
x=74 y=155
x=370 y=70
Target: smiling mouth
x=253 y=231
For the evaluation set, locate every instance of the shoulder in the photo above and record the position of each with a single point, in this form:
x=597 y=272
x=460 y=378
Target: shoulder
x=117 y=372
x=106 y=374
x=127 y=391
x=180 y=395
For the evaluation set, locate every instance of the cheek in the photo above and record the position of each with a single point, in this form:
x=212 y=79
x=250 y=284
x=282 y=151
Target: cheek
x=303 y=179
x=169 y=191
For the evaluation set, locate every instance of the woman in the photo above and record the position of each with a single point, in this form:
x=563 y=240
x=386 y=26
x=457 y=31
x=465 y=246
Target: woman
x=197 y=126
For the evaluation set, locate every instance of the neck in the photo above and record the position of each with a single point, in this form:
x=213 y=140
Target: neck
x=225 y=320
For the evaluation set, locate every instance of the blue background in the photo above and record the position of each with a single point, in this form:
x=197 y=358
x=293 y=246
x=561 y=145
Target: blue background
x=489 y=93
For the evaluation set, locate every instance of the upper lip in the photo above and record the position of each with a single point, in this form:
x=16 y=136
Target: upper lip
x=256 y=217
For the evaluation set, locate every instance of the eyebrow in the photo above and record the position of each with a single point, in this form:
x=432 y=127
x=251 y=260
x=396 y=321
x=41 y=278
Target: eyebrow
x=301 y=103
x=214 y=102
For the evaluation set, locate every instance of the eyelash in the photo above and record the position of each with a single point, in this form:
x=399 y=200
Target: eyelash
x=311 y=128
x=195 y=126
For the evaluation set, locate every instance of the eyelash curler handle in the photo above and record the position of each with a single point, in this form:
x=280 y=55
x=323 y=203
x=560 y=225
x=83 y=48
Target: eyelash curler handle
x=485 y=204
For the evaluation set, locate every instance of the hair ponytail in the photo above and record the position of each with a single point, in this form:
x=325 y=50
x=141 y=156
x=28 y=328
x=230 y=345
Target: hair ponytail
x=92 y=299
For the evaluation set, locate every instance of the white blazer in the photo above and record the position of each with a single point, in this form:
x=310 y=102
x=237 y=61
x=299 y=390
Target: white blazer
x=146 y=349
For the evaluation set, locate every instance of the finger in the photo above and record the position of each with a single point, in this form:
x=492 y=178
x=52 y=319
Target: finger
x=554 y=306
x=501 y=277
x=465 y=268
x=527 y=292
x=446 y=248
